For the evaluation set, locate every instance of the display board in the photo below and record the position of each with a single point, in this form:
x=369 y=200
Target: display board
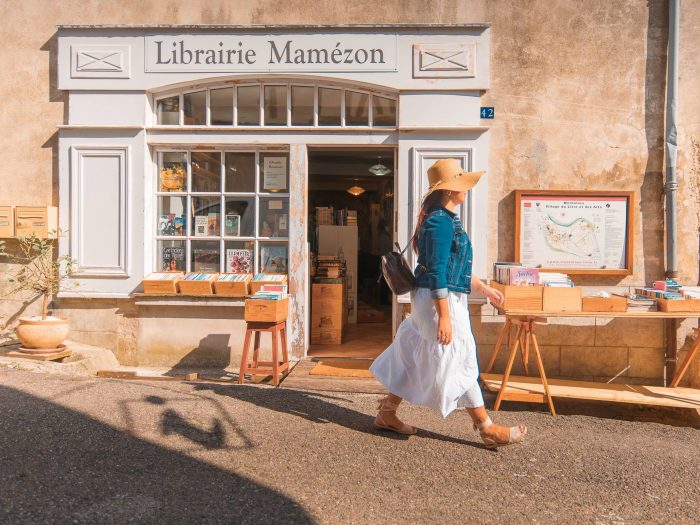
x=577 y=232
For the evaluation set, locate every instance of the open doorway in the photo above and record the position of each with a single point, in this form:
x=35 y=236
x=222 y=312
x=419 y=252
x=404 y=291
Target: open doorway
x=351 y=225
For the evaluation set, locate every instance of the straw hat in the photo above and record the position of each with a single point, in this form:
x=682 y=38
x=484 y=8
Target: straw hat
x=447 y=174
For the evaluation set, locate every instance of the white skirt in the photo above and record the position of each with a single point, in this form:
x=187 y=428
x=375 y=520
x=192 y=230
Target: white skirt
x=422 y=371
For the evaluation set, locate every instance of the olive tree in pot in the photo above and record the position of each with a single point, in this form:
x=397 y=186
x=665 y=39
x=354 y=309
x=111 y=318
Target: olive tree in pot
x=40 y=273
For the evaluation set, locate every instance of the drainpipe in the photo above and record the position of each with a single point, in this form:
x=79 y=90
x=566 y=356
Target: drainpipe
x=671 y=142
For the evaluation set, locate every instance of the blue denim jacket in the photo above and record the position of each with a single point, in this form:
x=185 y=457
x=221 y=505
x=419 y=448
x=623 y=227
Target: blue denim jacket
x=444 y=255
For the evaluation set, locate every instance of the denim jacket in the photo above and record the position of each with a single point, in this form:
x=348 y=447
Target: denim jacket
x=444 y=255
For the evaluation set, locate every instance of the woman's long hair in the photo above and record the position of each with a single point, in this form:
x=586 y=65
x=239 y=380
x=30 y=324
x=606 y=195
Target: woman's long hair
x=430 y=202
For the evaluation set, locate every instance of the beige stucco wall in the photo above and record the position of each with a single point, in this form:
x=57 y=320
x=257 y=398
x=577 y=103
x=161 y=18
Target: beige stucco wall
x=579 y=95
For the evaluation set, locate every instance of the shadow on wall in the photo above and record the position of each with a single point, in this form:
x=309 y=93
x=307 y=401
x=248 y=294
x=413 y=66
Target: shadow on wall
x=89 y=472
x=213 y=353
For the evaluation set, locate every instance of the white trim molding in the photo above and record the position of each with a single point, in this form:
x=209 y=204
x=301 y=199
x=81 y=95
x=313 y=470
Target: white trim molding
x=94 y=195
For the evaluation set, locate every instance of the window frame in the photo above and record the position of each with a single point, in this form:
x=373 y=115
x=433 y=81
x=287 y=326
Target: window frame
x=255 y=195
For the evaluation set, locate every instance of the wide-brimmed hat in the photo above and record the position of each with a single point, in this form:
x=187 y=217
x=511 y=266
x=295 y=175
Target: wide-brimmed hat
x=447 y=174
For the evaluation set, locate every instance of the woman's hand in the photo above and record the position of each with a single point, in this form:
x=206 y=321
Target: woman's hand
x=493 y=295
x=444 y=330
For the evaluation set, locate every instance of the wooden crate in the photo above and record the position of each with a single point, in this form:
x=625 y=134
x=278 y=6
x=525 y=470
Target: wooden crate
x=520 y=297
x=37 y=220
x=256 y=285
x=614 y=303
x=203 y=287
x=7 y=222
x=159 y=287
x=266 y=311
x=555 y=299
x=233 y=289
x=679 y=305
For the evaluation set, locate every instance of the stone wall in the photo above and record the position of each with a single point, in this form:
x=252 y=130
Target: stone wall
x=578 y=89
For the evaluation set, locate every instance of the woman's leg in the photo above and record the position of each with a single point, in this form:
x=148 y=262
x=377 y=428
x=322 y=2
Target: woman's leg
x=387 y=415
x=477 y=411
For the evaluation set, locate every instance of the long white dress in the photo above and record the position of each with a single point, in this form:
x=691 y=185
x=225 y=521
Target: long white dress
x=422 y=371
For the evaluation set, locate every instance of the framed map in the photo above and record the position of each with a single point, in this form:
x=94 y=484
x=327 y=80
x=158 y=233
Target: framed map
x=577 y=232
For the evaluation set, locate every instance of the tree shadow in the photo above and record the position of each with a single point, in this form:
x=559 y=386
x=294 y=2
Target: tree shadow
x=60 y=466
x=317 y=408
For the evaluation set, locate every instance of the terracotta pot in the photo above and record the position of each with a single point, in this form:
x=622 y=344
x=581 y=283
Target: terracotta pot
x=37 y=333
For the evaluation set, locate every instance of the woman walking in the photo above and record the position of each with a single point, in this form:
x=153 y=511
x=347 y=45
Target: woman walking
x=432 y=360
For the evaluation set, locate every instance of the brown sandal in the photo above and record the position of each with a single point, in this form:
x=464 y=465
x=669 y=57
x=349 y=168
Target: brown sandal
x=387 y=406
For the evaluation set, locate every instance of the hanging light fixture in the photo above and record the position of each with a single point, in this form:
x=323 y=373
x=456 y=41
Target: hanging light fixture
x=356 y=189
x=379 y=169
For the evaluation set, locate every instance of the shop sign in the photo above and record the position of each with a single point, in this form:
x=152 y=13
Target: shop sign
x=258 y=53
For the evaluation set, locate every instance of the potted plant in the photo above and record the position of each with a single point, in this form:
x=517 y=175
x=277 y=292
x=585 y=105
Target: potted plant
x=43 y=275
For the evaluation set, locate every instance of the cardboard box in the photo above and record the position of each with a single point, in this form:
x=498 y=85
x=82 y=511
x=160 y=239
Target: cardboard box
x=37 y=220
x=202 y=287
x=161 y=287
x=256 y=285
x=266 y=311
x=233 y=289
x=614 y=303
x=556 y=299
x=679 y=305
x=519 y=297
x=7 y=222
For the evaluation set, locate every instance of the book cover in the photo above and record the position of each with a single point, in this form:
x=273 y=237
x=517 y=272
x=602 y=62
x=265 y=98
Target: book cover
x=173 y=258
x=239 y=260
x=201 y=224
x=213 y=224
x=273 y=259
x=232 y=226
x=205 y=259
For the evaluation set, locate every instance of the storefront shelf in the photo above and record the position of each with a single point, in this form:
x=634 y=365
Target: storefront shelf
x=185 y=300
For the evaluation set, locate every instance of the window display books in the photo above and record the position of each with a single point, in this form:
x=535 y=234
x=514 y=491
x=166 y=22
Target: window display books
x=239 y=260
x=269 y=278
x=232 y=226
x=213 y=224
x=201 y=225
x=273 y=258
x=205 y=259
x=173 y=258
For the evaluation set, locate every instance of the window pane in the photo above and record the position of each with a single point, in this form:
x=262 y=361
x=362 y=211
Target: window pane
x=273 y=257
x=249 y=106
x=172 y=171
x=240 y=172
x=205 y=256
x=274 y=172
x=239 y=256
x=206 y=171
x=275 y=105
x=240 y=217
x=383 y=111
x=329 y=107
x=221 y=102
x=168 y=111
x=195 y=108
x=302 y=106
x=205 y=216
x=171 y=256
x=171 y=216
x=274 y=217
x=356 y=109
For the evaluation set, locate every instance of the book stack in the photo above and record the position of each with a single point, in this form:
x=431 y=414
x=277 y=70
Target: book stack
x=324 y=215
x=515 y=274
x=164 y=276
x=233 y=277
x=328 y=215
x=271 y=292
x=351 y=217
x=555 y=280
x=658 y=294
x=640 y=303
x=329 y=267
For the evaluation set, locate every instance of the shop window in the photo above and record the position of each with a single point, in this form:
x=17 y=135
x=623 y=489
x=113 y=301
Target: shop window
x=329 y=107
x=221 y=110
x=383 y=111
x=356 y=109
x=248 y=105
x=275 y=105
x=302 y=106
x=234 y=212
x=168 y=111
x=195 y=106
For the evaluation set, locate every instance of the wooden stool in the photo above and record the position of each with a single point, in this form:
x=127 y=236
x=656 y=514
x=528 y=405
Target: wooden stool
x=274 y=367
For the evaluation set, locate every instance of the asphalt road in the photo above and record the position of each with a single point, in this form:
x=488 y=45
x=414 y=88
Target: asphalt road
x=115 y=451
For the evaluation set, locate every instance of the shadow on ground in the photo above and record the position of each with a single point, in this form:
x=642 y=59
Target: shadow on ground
x=59 y=466
x=316 y=407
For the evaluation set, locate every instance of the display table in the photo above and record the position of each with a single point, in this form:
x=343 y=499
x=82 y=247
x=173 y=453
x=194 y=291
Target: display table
x=528 y=389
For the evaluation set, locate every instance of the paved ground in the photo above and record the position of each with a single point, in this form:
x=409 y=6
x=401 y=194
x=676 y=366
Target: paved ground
x=115 y=451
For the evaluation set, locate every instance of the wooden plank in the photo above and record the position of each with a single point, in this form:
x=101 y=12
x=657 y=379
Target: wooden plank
x=614 y=393
x=53 y=356
x=522 y=397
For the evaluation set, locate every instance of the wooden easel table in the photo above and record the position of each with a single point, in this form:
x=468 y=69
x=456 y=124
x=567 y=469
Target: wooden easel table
x=530 y=389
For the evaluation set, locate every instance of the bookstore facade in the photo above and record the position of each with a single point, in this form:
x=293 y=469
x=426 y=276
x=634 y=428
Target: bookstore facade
x=221 y=149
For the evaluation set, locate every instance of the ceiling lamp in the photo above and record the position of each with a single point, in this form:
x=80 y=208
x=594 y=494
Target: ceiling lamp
x=356 y=189
x=379 y=169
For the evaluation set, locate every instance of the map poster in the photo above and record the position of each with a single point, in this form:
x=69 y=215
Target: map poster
x=573 y=231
